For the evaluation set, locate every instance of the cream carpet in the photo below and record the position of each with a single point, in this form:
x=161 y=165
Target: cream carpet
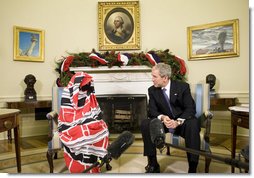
x=128 y=163
x=132 y=161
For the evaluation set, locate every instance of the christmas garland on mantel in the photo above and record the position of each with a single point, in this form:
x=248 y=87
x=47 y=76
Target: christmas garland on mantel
x=94 y=60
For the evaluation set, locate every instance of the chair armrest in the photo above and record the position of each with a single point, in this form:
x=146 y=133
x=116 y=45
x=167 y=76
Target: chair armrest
x=205 y=121
x=52 y=119
x=52 y=116
x=208 y=114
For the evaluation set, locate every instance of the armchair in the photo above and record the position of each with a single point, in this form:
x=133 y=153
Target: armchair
x=201 y=95
x=54 y=142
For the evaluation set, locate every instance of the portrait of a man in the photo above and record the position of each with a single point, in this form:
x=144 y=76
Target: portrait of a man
x=119 y=26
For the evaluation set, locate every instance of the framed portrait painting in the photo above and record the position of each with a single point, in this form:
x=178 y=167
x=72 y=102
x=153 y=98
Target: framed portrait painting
x=28 y=44
x=214 y=40
x=119 y=26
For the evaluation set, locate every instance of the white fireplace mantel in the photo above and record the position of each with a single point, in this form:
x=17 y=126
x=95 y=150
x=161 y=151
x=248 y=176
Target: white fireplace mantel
x=119 y=80
x=106 y=69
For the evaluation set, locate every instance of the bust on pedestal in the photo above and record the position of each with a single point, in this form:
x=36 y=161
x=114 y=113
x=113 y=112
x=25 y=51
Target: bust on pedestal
x=211 y=80
x=30 y=93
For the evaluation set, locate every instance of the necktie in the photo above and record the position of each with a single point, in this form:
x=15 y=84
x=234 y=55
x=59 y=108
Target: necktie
x=171 y=113
x=167 y=99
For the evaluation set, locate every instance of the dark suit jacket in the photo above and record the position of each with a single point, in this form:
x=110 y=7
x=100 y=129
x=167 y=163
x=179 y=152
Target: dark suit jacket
x=182 y=103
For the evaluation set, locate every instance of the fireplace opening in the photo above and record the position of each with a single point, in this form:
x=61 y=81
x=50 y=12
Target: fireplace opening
x=123 y=112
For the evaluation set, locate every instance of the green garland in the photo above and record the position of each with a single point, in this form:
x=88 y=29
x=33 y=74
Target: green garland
x=135 y=59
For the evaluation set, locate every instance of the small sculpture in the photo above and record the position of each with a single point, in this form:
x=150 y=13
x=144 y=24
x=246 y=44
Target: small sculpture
x=211 y=79
x=30 y=93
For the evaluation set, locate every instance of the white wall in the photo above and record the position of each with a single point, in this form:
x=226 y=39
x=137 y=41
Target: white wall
x=71 y=26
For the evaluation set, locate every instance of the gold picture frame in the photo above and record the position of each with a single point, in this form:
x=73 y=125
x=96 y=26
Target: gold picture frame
x=28 y=44
x=110 y=16
x=214 y=40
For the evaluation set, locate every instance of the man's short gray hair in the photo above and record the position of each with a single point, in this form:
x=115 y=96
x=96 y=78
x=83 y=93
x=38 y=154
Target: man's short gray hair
x=164 y=69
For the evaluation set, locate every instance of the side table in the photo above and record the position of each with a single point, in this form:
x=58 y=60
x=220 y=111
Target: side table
x=22 y=104
x=9 y=119
x=221 y=104
x=240 y=118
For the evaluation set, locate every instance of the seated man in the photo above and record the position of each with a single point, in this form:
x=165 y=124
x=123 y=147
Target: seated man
x=81 y=129
x=175 y=107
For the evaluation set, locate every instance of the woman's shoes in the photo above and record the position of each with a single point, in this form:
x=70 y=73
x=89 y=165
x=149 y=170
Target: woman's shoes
x=152 y=169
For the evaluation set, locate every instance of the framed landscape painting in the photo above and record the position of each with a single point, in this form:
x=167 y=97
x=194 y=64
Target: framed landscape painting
x=214 y=40
x=28 y=44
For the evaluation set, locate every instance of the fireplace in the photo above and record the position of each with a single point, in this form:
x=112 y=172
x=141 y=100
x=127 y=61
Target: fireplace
x=122 y=94
x=123 y=112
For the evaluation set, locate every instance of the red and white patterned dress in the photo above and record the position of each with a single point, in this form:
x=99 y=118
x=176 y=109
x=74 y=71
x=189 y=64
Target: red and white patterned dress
x=81 y=129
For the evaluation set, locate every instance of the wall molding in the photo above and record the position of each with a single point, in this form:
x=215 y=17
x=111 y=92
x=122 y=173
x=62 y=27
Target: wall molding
x=221 y=122
x=242 y=97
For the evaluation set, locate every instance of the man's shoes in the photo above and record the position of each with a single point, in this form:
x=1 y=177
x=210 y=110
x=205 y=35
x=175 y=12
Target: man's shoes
x=147 y=166
x=192 y=170
x=192 y=167
x=153 y=169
